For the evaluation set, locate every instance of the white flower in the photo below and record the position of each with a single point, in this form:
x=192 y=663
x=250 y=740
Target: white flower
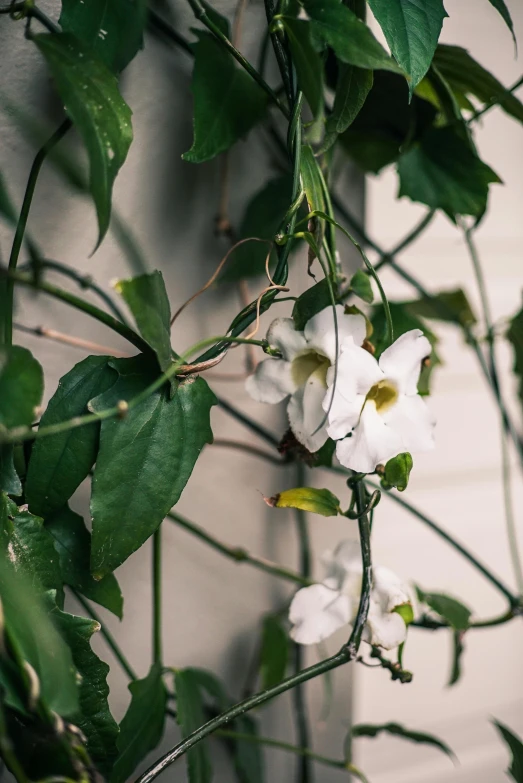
x=316 y=612
x=377 y=405
x=301 y=373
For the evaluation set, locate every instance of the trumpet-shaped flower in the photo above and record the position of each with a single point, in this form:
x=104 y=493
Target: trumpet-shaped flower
x=316 y=612
x=374 y=410
x=301 y=373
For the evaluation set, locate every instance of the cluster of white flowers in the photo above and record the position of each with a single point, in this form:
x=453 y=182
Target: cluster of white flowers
x=371 y=409
x=316 y=612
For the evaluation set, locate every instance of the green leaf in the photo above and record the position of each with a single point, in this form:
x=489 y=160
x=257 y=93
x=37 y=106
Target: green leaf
x=397 y=472
x=142 y=726
x=147 y=299
x=516 y=748
x=248 y=756
x=372 y=730
x=311 y=302
x=386 y=122
x=444 y=172
x=30 y=548
x=468 y=77
x=452 y=610
x=94 y=718
x=308 y=63
x=452 y=306
x=144 y=460
x=59 y=463
x=274 y=654
x=503 y=11
x=311 y=180
x=33 y=638
x=113 y=29
x=227 y=102
x=351 y=39
x=412 y=29
x=190 y=716
x=515 y=337
x=9 y=480
x=362 y=287
x=21 y=386
x=458 y=647
x=72 y=541
x=352 y=89
x=319 y=501
x=89 y=92
x=262 y=218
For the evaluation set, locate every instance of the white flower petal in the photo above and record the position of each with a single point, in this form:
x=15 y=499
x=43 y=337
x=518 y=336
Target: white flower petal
x=372 y=442
x=344 y=560
x=316 y=612
x=271 y=381
x=413 y=421
x=401 y=362
x=385 y=629
x=320 y=335
x=306 y=414
x=388 y=590
x=286 y=338
x=358 y=371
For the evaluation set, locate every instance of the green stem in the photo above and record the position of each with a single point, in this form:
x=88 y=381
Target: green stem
x=347 y=653
x=252 y=425
x=238 y=554
x=505 y=456
x=513 y=599
x=22 y=223
x=20 y=434
x=342 y=657
x=272 y=743
x=494 y=103
x=299 y=696
x=434 y=625
x=84 y=281
x=408 y=239
x=109 y=639
x=201 y=14
x=80 y=304
x=157 y=595
x=510 y=521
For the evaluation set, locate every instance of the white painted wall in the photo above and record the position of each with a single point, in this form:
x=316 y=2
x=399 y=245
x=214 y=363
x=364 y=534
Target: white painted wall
x=459 y=483
x=212 y=608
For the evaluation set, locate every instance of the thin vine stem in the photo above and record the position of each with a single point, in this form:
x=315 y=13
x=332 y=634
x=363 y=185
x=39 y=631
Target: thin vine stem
x=272 y=743
x=21 y=434
x=80 y=304
x=347 y=653
x=299 y=697
x=84 y=281
x=510 y=521
x=201 y=14
x=238 y=554
x=18 y=240
x=156 y=574
x=487 y=573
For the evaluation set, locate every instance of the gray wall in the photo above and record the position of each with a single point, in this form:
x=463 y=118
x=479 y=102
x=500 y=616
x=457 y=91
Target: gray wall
x=212 y=607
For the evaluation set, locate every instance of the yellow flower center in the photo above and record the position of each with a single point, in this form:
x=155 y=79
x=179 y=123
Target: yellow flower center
x=383 y=394
x=307 y=364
